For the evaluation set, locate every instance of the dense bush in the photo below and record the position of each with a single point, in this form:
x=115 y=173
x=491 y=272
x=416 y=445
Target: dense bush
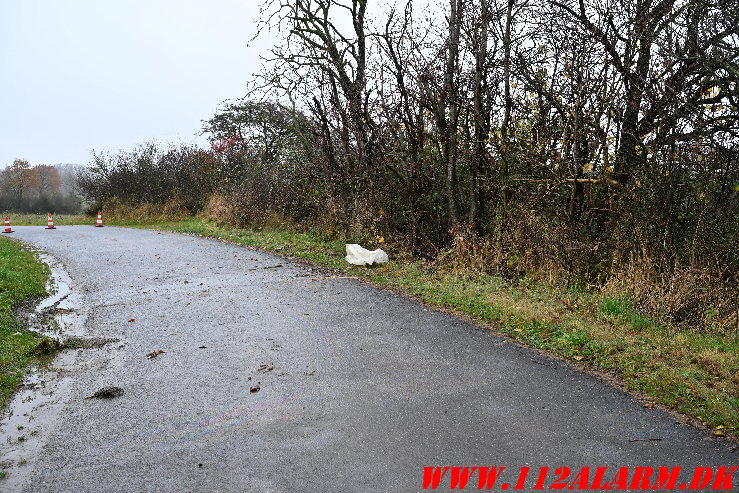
x=148 y=174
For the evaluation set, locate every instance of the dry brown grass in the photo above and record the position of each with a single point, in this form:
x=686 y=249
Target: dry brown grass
x=125 y=212
x=524 y=243
x=683 y=296
x=530 y=245
x=241 y=213
x=219 y=210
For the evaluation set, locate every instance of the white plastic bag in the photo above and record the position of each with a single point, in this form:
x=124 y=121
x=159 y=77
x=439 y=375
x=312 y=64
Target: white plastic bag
x=356 y=255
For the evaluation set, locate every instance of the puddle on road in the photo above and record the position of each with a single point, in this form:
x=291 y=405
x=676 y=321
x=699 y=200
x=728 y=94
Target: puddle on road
x=36 y=406
x=58 y=314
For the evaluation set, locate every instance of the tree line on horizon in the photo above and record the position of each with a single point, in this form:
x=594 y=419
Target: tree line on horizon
x=579 y=141
x=39 y=189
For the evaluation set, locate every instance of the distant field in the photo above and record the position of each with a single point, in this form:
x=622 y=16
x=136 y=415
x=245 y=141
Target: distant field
x=40 y=219
x=72 y=219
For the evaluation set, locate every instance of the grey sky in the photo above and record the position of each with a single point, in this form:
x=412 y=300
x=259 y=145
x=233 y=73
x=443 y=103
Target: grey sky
x=105 y=74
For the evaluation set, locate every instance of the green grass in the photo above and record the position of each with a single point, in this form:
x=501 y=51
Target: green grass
x=690 y=371
x=22 y=276
x=40 y=219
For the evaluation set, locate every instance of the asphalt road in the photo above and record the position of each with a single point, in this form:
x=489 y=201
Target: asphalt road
x=361 y=390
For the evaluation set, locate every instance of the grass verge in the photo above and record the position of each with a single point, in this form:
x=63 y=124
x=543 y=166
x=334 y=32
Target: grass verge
x=692 y=372
x=22 y=277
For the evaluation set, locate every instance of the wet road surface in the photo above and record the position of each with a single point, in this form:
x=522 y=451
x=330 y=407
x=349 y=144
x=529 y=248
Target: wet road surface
x=359 y=389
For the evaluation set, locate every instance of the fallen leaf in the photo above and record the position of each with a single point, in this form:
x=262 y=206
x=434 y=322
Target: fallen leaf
x=719 y=433
x=254 y=389
x=517 y=330
x=649 y=405
x=154 y=354
x=577 y=358
x=131 y=319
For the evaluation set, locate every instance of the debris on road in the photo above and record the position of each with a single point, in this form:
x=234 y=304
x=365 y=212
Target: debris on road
x=131 y=319
x=154 y=354
x=357 y=255
x=255 y=389
x=107 y=393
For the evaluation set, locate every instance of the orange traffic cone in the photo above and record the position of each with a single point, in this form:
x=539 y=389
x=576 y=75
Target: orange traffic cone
x=8 y=229
x=99 y=223
x=49 y=221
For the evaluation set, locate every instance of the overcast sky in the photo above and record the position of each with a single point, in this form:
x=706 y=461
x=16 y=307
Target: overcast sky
x=101 y=74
